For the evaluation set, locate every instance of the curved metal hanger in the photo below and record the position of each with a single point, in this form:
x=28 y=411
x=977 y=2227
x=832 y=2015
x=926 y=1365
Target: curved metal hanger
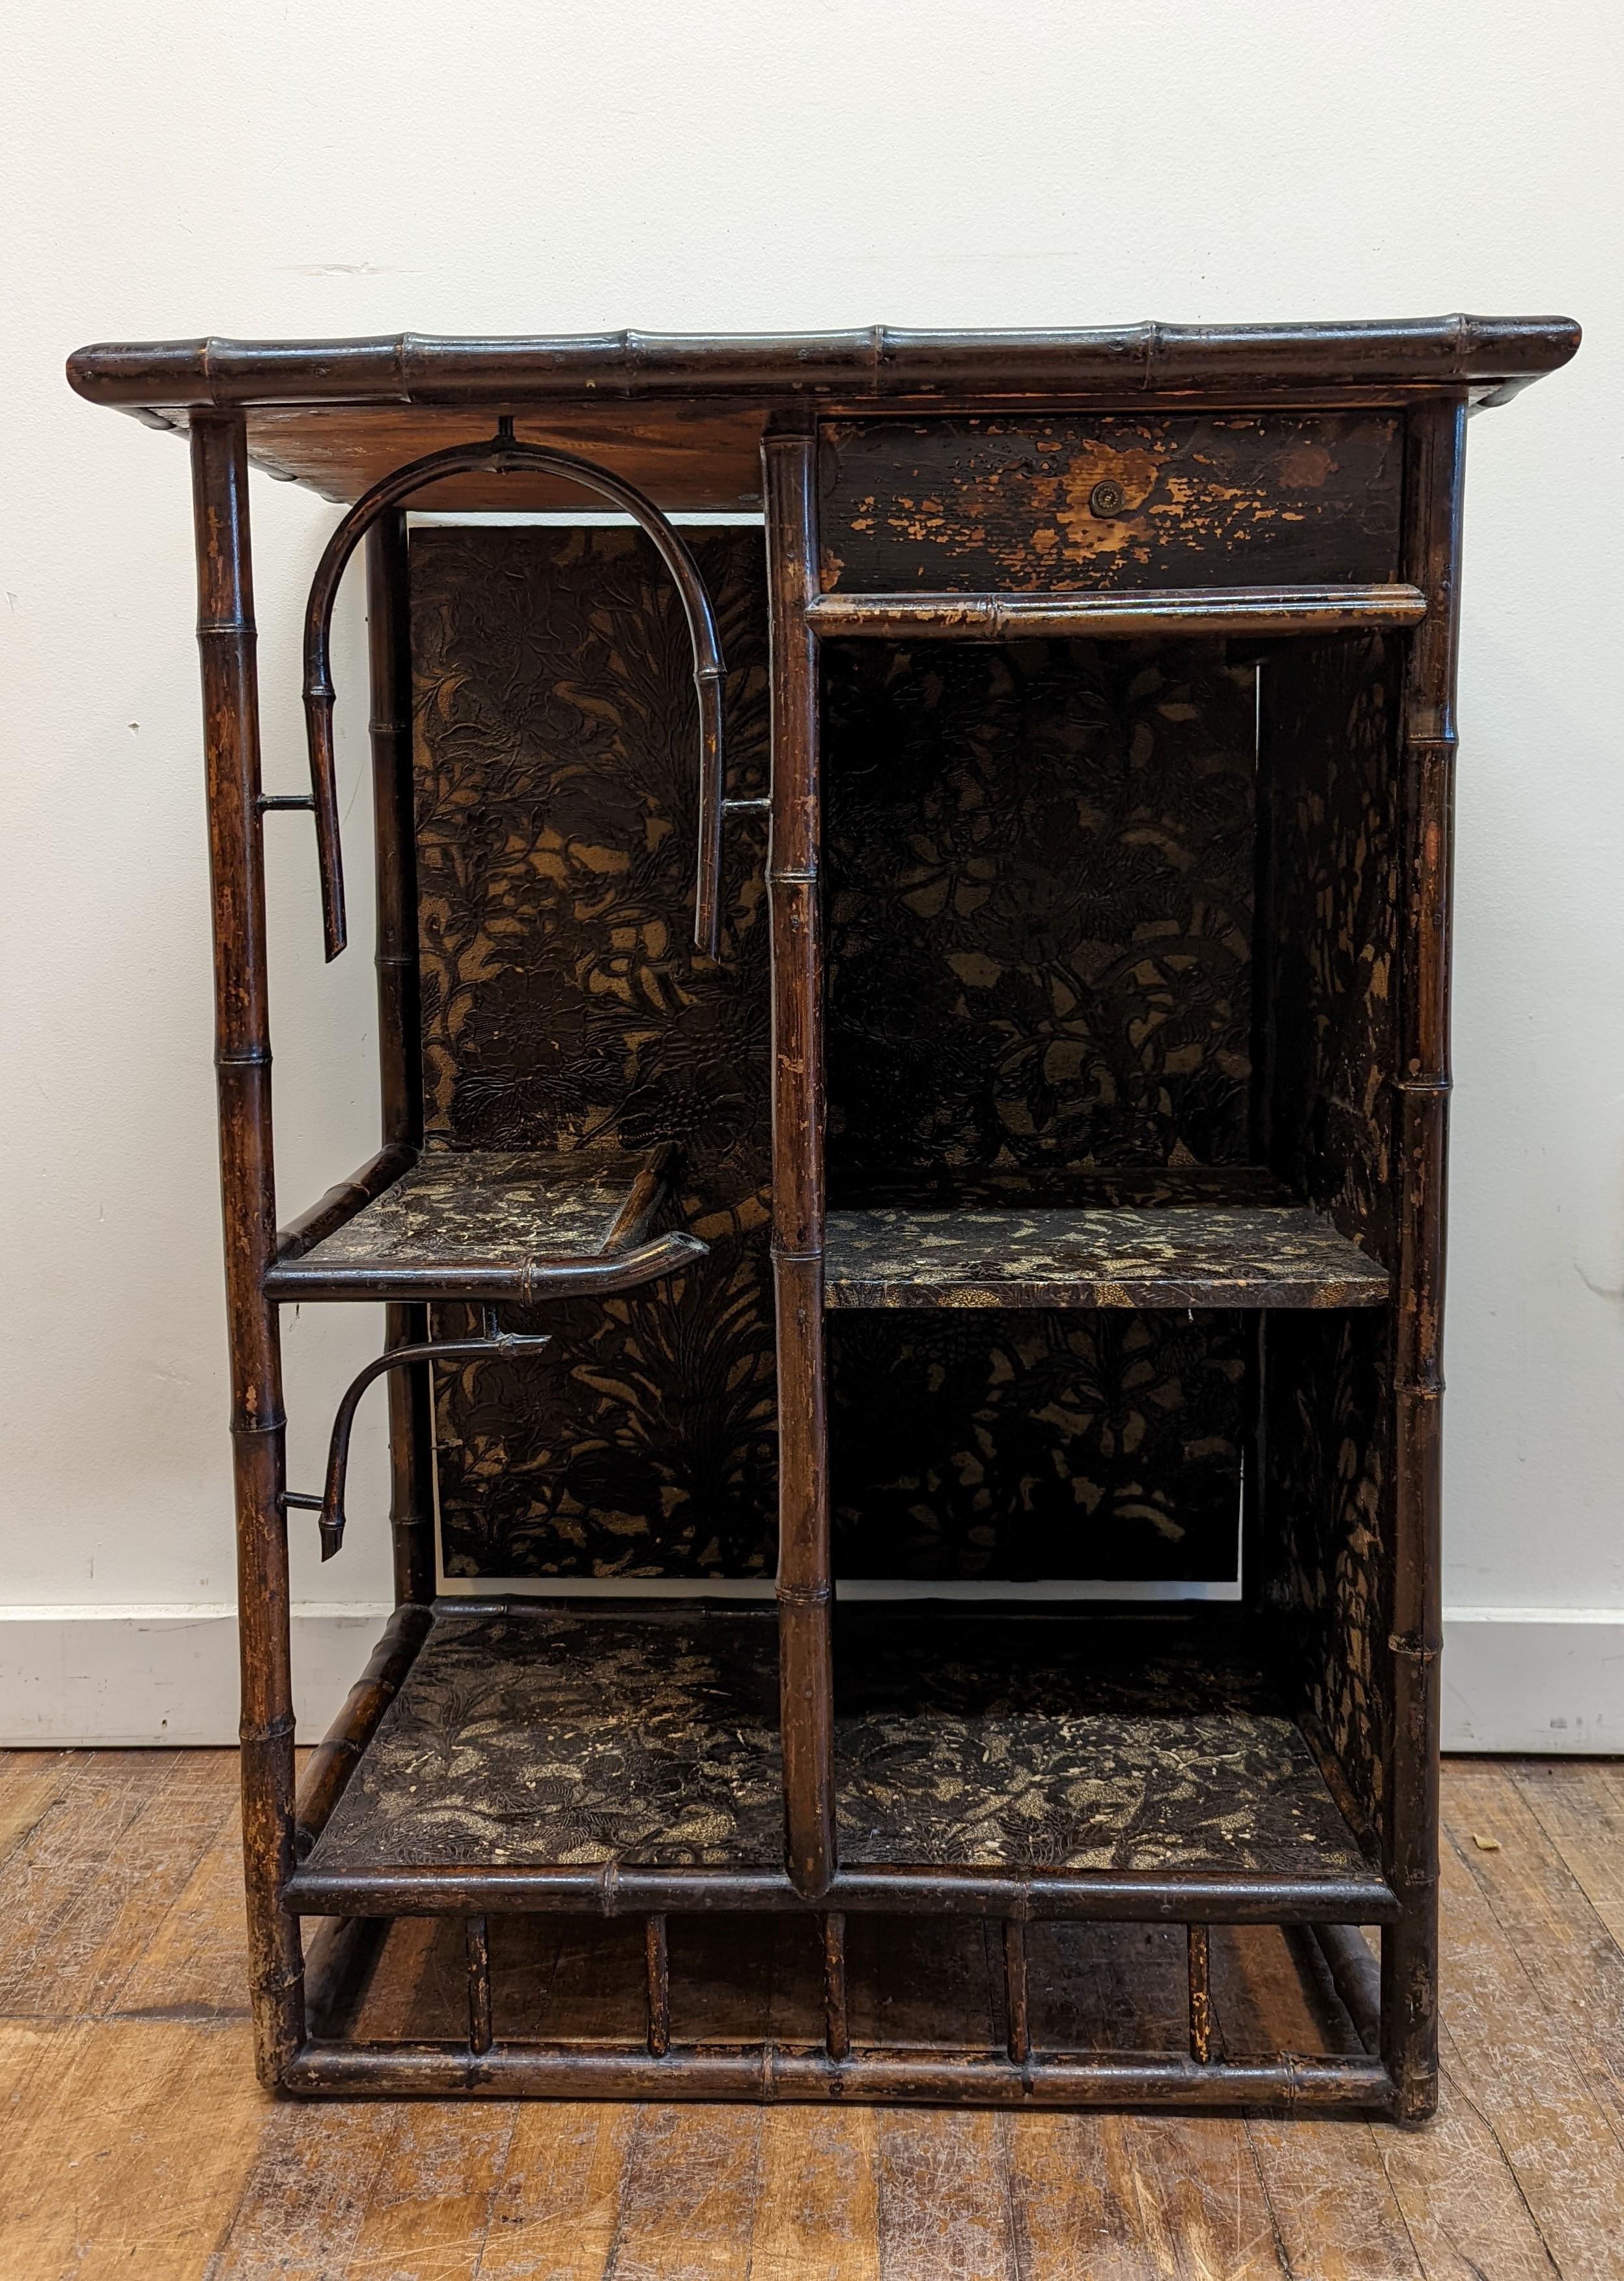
x=506 y=455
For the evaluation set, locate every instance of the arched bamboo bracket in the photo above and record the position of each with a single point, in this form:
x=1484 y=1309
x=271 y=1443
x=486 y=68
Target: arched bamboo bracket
x=491 y=1345
x=504 y=454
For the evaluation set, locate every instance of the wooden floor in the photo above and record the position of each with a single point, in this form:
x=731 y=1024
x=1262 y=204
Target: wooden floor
x=133 y=2140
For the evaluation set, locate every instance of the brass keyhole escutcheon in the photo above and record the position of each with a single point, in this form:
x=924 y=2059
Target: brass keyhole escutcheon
x=1107 y=498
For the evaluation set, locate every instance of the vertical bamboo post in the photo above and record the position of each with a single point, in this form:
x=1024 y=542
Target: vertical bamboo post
x=247 y=1195
x=400 y=1064
x=1434 y=471
x=789 y=454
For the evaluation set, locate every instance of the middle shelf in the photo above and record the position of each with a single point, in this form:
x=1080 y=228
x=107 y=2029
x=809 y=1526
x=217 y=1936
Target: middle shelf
x=1202 y=1240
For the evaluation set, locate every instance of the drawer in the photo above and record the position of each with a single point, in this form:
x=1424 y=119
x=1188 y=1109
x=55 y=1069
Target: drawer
x=999 y=504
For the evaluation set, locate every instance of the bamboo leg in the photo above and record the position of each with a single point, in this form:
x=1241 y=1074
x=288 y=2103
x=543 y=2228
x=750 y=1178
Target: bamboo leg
x=1410 y=1947
x=804 y=1590
x=400 y=1068
x=248 y=1192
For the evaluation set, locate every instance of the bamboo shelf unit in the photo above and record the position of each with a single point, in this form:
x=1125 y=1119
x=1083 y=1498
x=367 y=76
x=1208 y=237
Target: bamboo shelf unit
x=913 y=965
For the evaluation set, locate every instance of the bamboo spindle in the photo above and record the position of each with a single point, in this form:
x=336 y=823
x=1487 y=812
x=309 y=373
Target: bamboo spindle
x=657 y=1959
x=1200 y=1969
x=400 y=1066
x=247 y=1195
x=789 y=463
x=477 y=1937
x=1015 y=1995
x=1434 y=471
x=837 y=2028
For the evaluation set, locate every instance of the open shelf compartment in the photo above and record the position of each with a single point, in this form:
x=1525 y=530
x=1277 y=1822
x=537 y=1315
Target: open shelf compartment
x=554 y=1753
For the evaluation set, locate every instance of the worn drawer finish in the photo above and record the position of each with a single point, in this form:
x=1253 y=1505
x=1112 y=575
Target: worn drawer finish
x=1228 y=498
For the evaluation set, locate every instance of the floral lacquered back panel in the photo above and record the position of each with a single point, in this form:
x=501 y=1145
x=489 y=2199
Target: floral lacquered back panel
x=1039 y=864
x=564 y=1002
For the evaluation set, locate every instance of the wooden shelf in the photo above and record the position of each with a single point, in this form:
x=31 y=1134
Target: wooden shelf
x=1029 y=1253
x=488 y=1225
x=560 y=1742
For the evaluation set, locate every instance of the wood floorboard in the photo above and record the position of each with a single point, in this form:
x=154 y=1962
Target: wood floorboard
x=136 y=2141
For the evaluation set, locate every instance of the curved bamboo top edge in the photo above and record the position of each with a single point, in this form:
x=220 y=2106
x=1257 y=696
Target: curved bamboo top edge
x=877 y=361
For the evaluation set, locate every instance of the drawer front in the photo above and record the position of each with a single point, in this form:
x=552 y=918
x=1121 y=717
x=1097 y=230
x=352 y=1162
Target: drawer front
x=1193 y=498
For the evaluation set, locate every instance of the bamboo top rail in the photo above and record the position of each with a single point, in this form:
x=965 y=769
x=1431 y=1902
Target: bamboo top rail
x=869 y=361
x=681 y=415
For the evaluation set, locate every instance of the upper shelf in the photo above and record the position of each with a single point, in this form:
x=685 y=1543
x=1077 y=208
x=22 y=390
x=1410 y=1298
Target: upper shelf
x=681 y=414
x=1033 y=1256
x=488 y=1225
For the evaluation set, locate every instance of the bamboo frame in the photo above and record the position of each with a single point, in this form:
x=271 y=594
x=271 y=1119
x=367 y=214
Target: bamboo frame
x=890 y=2076
x=1434 y=371
x=1209 y=610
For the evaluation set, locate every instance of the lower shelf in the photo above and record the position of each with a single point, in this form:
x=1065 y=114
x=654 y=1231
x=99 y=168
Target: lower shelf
x=586 y=1745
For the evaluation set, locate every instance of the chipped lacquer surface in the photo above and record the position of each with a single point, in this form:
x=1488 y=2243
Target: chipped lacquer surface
x=564 y=1006
x=487 y=1205
x=1234 y=1255
x=556 y=1738
x=1161 y=501
x=552 y=1737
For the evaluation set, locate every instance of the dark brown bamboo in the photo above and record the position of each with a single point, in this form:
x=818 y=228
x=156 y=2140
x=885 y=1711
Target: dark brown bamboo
x=490 y=1346
x=400 y=1051
x=337 y=1755
x=504 y=453
x=342 y=1201
x=872 y=361
x=248 y=1192
x=477 y=1941
x=836 y=2024
x=1434 y=474
x=1199 y=1967
x=657 y=1961
x=649 y=1192
x=615 y=1889
x=1016 y=2002
x=805 y=1589
x=339 y=1960
x=525 y=1283
x=1207 y=610
x=806 y=2073
x=1355 y=1974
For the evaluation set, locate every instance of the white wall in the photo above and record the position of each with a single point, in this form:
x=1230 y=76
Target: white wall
x=311 y=169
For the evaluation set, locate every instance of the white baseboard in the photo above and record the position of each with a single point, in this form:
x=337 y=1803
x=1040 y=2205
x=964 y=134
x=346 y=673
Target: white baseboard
x=1537 y=1680
x=126 y=1677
